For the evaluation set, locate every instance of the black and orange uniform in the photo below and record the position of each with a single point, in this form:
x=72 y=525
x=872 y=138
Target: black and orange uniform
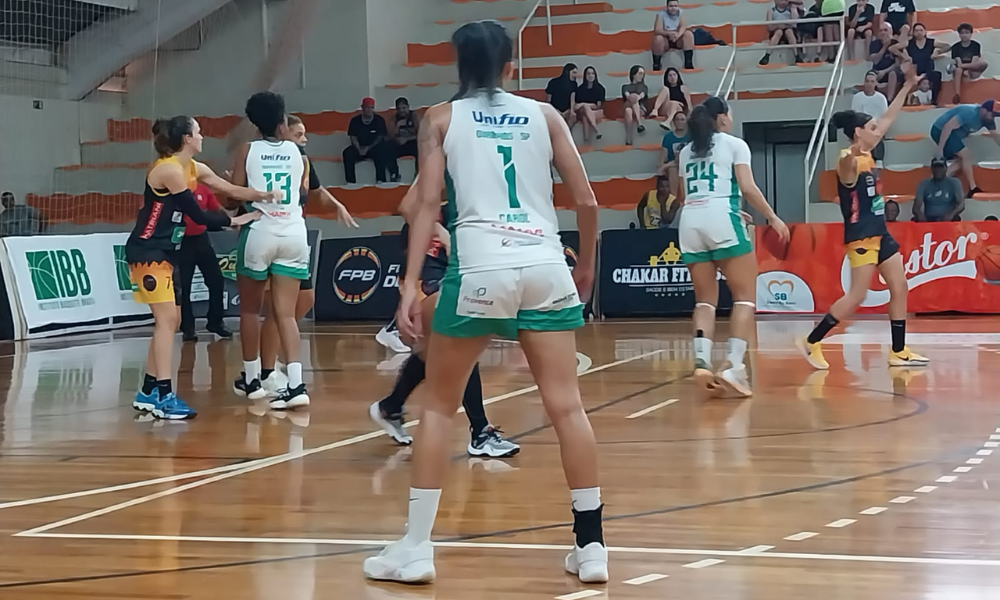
x=435 y=262
x=151 y=249
x=314 y=184
x=866 y=237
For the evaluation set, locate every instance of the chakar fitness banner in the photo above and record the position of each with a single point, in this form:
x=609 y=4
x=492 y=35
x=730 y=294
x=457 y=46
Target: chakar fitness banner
x=949 y=267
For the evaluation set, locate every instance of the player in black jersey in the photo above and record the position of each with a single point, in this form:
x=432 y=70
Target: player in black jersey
x=486 y=440
x=867 y=241
x=152 y=246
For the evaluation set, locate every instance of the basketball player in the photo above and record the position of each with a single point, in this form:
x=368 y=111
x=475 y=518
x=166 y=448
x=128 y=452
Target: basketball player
x=507 y=276
x=867 y=241
x=274 y=249
x=486 y=440
x=151 y=249
x=713 y=237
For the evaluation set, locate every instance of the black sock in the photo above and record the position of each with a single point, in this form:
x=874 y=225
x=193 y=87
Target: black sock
x=824 y=327
x=587 y=527
x=265 y=373
x=391 y=326
x=898 y=334
x=657 y=62
x=148 y=384
x=689 y=59
x=166 y=387
x=472 y=400
x=410 y=376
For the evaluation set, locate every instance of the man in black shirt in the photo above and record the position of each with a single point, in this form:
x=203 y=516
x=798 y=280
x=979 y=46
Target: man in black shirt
x=901 y=14
x=967 y=60
x=368 y=135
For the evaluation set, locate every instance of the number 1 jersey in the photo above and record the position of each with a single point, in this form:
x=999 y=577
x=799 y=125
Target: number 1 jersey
x=277 y=166
x=499 y=185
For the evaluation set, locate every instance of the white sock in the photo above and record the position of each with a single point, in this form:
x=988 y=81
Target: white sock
x=737 y=348
x=586 y=499
x=294 y=375
x=252 y=369
x=423 y=511
x=703 y=349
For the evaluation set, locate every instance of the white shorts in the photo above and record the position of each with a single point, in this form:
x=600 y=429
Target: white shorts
x=708 y=233
x=261 y=253
x=503 y=302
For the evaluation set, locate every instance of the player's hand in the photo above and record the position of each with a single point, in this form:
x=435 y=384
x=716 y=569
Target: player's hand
x=408 y=314
x=243 y=219
x=345 y=216
x=910 y=72
x=583 y=277
x=273 y=197
x=780 y=228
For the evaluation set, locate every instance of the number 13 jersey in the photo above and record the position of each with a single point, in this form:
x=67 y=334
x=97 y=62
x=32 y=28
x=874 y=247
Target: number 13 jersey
x=277 y=166
x=499 y=185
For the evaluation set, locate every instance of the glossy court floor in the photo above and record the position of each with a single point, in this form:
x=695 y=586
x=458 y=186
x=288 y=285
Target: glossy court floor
x=857 y=484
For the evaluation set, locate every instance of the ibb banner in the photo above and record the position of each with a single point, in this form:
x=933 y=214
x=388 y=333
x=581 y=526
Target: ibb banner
x=641 y=275
x=949 y=267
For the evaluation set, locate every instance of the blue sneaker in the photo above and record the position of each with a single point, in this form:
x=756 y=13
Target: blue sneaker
x=173 y=408
x=146 y=402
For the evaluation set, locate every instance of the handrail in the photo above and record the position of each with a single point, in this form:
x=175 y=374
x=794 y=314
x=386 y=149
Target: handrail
x=813 y=150
x=520 y=37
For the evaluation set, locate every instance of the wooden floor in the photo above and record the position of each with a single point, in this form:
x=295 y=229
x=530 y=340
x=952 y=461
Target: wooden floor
x=857 y=484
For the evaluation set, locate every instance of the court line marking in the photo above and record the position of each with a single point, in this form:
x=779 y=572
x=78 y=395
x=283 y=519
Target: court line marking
x=244 y=468
x=991 y=445
x=984 y=453
x=645 y=579
x=974 y=461
x=902 y=499
x=701 y=564
x=650 y=409
x=875 y=510
x=756 y=549
x=508 y=546
x=802 y=535
x=946 y=479
x=995 y=436
x=580 y=594
x=841 y=523
x=926 y=489
x=962 y=469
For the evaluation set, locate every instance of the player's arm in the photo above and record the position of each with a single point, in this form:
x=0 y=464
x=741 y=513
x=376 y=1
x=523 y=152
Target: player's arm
x=171 y=177
x=885 y=122
x=640 y=208
x=421 y=209
x=748 y=187
x=220 y=186
x=994 y=135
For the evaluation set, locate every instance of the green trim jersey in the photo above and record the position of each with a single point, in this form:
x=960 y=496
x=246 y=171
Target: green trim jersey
x=277 y=166
x=499 y=183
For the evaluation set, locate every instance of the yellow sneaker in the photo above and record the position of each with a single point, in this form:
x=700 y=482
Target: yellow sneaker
x=907 y=358
x=813 y=353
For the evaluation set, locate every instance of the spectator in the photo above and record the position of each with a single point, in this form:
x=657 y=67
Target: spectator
x=658 y=208
x=811 y=32
x=900 y=14
x=922 y=96
x=991 y=218
x=18 y=219
x=967 y=60
x=940 y=197
x=559 y=93
x=950 y=130
x=589 y=102
x=635 y=94
x=405 y=124
x=670 y=32
x=368 y=135
x=922 y=50
x=674 y=97
x=780 y=29
x=891 y=211
x=197 y=251
x=832 y=30
x=873 y=102
x=671 y=146
x=860 y=19
x=884 y=62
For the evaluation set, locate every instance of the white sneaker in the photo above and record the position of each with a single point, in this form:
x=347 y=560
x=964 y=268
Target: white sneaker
x=390 y=339
x=403 y=562
x=590 y=564
x=274 y=384
x=492 y=444
x=392 y=427
x=735 y=382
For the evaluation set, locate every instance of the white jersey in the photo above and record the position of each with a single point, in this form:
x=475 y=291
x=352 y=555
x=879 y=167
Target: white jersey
x=499 y=183
x=277 y=166
x=710 y=181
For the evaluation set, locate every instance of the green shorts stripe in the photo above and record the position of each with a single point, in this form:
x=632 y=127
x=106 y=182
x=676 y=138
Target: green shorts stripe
x=743 y=247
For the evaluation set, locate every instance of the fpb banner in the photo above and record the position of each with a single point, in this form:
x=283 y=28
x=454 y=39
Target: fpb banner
x=948 y=266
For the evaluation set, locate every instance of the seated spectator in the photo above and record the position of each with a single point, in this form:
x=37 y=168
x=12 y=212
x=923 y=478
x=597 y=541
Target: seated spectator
x=922 y=96
x=588 y=100
x=950 y=130
x=368 y=136
x=810 y=33
x=658 y=208
x=673 y=98
x=873 y=102
x=885 y=64
x=559 y=93
x=860 y=24
x=967 y=60
x=891 y=211
x=635 y=94
x=832 y=30
x=781 y=30
x=18 y=219
x=670 y=148
x=670 y=32
x=922 y=50
x=403 y=131
x=939 y=198
x=900 y=14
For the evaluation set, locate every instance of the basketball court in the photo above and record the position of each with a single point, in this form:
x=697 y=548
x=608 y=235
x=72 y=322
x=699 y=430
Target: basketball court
x=883 y=481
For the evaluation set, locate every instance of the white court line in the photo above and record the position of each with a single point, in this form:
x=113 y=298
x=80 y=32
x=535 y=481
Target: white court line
x=926 y=489
x=580 y=594
x=974 y=461
x=962 y=469
x=701 y=564
x=841 y=523
x=650 y=409
x=802 y=535
x=283 y=458
x=984 y=453
x=875 y=510
x=523 y=547
x=946 y=479
x=902 y=499
x=995 y=436
x=991 y=445
x=645 y=579
x=756 y=549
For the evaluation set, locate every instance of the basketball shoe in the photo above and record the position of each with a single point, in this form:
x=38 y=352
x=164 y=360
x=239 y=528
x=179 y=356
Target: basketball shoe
x=404 y=562
x=813 y=353
x=907 y=358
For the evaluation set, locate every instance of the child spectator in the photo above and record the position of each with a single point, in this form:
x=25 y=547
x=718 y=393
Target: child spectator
x=670 y=32
x=811 y=32
x=657 y=208
x=780 y=29
x=674 y=97
x=559 y=93
x=589 y=102
x=922 y=96
x=860 y=20
x=635 y=94
x=967 y=60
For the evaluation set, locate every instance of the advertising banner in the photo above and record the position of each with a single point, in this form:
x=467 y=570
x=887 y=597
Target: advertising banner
x=358 y=278
x=949 y=267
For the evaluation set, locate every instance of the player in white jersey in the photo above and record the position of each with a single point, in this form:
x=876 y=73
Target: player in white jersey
x=716 y=173
x=275 y=249
x=491 y=151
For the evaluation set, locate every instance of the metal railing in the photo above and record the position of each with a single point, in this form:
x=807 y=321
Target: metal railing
x=815 y=147
x=520 y=37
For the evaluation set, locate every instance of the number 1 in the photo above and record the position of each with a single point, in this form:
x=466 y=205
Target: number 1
x=509 y=174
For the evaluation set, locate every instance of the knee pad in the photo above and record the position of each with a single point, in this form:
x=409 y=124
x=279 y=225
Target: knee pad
x=745 y=303
x=711 y=307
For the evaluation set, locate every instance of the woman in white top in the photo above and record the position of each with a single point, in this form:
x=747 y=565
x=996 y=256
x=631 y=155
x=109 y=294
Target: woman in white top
x=716 y=173
x=491 y=153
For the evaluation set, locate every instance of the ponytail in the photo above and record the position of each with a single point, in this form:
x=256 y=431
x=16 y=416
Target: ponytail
x=483 y=50
x=849 y=120
x=703 y=124
x=168 y=135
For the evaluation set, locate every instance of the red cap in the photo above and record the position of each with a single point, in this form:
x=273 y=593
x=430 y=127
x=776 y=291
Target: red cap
x=992 y=106
x=368 y=102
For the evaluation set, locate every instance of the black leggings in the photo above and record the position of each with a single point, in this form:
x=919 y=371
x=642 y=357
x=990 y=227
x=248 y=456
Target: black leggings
x=412 y=374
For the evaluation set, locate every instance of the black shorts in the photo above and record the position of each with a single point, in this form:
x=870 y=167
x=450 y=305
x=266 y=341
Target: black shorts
x=430 y=278
x=888 y=248
x=306 y=284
